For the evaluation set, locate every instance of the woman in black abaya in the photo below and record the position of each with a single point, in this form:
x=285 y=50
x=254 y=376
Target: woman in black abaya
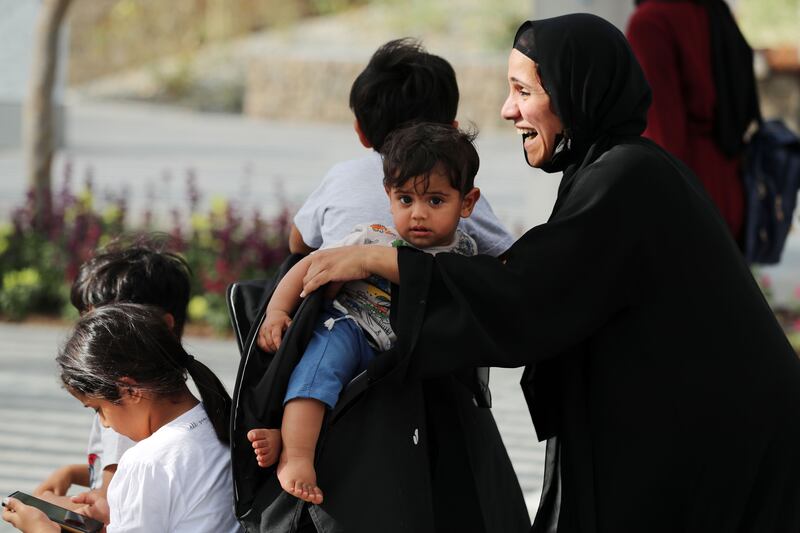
x=668 y=392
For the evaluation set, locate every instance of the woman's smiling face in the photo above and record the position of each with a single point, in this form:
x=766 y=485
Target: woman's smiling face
x=528 y=106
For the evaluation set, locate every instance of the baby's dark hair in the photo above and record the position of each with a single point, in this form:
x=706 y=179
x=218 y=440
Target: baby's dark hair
x=403 y=83
x=124 y=340
x=142 y=273
x=413 y=152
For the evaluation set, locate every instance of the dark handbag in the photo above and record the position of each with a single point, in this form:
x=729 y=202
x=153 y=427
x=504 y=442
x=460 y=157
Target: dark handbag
x=260 y=503
x=771 y=177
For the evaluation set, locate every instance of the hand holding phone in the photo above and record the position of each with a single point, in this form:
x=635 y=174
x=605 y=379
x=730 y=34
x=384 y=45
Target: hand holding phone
x=57 y=518
x=26 y=518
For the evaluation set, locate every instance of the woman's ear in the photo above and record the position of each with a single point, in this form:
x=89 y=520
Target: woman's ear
x=469 y=201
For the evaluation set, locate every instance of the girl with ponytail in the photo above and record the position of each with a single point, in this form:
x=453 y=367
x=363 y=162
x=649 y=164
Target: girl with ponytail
x=123 y=361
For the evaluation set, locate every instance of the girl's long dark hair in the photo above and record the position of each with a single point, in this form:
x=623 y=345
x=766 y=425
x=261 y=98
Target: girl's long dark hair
x=130 y=340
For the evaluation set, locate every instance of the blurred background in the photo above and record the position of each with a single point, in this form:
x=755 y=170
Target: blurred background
x=211 y=121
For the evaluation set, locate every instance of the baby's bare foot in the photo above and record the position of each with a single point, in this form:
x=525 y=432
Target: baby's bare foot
x=266 y=444
x=297 y=477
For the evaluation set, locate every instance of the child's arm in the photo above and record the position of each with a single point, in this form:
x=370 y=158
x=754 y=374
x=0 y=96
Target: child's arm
x=108 y=474
x=59 y=482
x=296 y=243
x=283 y=303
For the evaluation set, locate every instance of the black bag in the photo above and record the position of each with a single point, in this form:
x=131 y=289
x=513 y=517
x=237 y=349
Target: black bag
x=771 y=179
x=374 y=419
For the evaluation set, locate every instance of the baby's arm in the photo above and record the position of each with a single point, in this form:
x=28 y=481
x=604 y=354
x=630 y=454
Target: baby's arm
x=283 y=303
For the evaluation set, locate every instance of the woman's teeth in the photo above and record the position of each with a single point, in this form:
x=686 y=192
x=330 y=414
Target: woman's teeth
x=526 y=133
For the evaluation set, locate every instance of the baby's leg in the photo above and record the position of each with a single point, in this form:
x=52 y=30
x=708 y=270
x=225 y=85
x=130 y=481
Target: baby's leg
x=266 y=444
x=336 y=351
x=302 y=420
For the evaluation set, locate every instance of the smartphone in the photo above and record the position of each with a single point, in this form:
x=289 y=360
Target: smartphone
x=68 y=520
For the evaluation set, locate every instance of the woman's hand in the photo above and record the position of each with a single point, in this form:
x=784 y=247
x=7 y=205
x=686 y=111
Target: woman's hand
x=95 y=506
x=26 y=518
x=349 y=263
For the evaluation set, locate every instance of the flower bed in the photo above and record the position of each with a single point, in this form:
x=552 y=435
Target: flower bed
x=220 y=243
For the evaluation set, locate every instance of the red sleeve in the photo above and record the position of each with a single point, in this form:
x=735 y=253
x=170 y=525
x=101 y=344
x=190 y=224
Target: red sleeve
x=653 y=42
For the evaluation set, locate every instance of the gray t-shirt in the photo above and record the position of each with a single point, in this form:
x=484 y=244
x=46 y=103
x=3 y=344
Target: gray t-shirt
x=352 y=193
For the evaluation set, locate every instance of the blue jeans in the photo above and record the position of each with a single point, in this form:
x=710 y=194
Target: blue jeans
x=337 y=352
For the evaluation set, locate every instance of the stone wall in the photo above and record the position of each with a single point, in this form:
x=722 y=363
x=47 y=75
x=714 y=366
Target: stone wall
x=308 y=89
x=311 y=89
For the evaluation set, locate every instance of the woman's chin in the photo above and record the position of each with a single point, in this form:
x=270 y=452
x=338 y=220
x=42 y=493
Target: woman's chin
x=534 y=160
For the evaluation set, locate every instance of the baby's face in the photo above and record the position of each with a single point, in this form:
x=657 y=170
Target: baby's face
x=429 y=218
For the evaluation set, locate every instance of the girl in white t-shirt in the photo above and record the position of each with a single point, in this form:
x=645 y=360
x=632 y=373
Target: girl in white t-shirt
x=124 y=362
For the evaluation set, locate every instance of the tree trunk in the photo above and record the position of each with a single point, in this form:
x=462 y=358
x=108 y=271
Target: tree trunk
x=38 y=117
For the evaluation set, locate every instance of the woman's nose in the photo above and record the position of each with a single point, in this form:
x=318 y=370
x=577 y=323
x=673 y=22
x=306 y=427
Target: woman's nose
x=509 y=111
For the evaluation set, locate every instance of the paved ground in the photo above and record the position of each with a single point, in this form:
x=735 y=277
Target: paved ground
x=44 y=427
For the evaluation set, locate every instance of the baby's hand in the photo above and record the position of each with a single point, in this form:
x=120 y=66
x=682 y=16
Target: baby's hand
x=267 y=445
x=276 y=322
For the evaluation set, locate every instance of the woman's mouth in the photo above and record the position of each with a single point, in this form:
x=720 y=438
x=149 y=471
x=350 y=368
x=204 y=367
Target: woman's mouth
x=527 y=133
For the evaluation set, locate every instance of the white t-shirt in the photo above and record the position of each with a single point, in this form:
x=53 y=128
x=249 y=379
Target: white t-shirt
x=352 y=193
x=106 y=446
x=176 y=480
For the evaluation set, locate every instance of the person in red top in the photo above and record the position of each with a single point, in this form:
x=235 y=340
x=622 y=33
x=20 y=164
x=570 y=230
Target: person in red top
x=700 y=70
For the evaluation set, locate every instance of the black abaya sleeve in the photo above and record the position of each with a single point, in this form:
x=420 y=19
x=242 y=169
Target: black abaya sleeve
x=562 y=281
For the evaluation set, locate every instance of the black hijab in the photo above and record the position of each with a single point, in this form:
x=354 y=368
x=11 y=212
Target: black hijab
x=732 y=63
x=596 y=86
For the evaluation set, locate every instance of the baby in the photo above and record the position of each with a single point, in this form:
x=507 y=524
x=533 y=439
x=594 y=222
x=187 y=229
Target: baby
x=429 y=170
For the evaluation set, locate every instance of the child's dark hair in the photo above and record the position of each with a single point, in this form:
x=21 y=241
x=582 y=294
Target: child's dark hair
x=403 y=83
x=124 y=340
x=413 y=152
x=142 y=273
